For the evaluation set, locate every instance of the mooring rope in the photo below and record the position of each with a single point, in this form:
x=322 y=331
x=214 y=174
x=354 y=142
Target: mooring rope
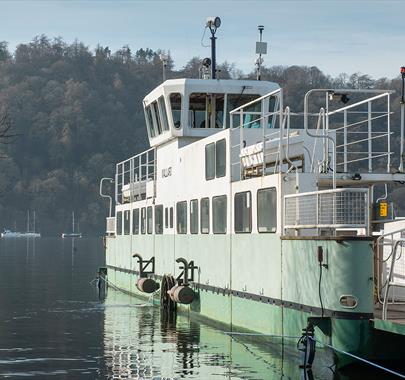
x=392 y=372
x=402 y=376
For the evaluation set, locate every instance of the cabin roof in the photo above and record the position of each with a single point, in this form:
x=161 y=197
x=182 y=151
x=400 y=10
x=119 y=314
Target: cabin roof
x=188 y=86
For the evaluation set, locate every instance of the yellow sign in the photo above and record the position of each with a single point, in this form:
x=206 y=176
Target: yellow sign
x=384 y=209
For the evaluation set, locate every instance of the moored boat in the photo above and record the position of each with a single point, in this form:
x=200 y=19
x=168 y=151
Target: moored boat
x=262 y=219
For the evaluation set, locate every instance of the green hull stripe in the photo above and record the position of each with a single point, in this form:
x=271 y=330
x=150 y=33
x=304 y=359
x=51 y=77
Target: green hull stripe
x=268 y=300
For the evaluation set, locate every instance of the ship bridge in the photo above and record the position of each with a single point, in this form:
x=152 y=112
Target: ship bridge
x=196 y=108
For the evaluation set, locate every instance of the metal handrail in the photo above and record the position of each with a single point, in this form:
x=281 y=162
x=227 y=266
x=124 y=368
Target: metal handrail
x=389 y=279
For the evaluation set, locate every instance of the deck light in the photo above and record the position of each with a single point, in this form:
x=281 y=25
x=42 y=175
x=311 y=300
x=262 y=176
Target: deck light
x=213 y=23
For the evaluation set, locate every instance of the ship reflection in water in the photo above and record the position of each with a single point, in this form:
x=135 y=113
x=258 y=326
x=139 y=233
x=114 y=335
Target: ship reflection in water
x=140 y=342
x=54 y=324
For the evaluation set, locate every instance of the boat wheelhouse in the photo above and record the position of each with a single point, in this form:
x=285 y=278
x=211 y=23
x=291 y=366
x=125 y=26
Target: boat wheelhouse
x=260 y=218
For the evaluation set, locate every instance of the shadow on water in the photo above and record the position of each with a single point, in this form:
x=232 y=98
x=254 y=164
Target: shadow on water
x=54 y=324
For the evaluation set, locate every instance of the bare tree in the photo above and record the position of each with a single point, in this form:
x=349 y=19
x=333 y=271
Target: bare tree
x=7 y=135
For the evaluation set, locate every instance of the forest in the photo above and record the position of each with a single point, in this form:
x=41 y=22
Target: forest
x=69 y=113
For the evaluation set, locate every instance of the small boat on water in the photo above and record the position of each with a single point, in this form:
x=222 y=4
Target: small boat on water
x=72 y=234
x=7 y=233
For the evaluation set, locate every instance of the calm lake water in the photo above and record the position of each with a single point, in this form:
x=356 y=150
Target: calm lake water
x=54 y=324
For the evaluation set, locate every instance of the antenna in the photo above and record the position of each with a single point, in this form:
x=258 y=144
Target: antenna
x=165 y=59
x=213 y=23
x=261 y=48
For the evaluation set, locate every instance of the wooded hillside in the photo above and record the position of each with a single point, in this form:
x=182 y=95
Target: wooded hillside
x=76 y=112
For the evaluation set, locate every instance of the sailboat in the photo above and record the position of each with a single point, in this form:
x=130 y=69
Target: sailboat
x=28 y=234
x=72 y=234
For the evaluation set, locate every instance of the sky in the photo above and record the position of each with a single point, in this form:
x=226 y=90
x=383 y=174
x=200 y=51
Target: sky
x=336 y=36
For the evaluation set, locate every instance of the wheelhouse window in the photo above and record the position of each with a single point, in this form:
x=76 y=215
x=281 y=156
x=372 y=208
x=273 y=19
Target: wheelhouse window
x=156 y=118
x=127 y=222
x=166 y=217
x=175 y=104
x=210 y=161
x=149 y=122
x=135 y=221
x=119 y=223
x=159 y=219
x=181 y=216
x=206 y=110
x=149 y=216
x=143 y=220
x=205 y=215
x=243 y=212
x=194 y=216
x=215 y=160
x=252 y=113
x=219 y=214
x=267 y=210
x=163 y=113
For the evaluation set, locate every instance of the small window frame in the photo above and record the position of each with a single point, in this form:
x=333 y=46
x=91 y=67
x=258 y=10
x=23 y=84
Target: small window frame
x=135 y=221
x=214 y=199
x=194 y=223
x=149 y=220
x=249 y=194
x=158 y=229
x=202 y=202
x=178 y=230
x=272 y=188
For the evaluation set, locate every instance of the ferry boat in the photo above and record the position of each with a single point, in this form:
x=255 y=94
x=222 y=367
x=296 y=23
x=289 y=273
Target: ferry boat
x=246 y=213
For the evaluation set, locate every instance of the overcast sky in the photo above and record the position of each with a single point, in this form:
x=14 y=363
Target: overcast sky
x=337 y=36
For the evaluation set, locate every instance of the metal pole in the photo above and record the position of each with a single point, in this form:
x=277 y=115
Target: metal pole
x=401 y=155
x=259 y=64
x=370 y=147
x=213 y=55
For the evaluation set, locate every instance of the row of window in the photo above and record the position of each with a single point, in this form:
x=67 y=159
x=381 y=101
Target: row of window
x=143 y=220
x=205 y=111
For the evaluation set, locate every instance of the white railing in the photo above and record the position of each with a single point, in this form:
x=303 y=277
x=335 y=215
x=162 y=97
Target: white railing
x=390 y=269
x=134 y=175
x=356 y=137
x=331 y=209
x=265 y=114
x=110 y=225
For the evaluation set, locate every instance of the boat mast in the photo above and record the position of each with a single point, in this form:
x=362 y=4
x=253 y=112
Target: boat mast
x=73 y=221
x=28 y=220
x=34 y=222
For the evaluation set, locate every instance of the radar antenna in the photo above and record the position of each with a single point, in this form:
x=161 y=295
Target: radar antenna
x=261 y=48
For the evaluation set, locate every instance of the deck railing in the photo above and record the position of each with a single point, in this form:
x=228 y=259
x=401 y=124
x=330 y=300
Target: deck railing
x=328 y=209
x=390 y=269
x=133 y=176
